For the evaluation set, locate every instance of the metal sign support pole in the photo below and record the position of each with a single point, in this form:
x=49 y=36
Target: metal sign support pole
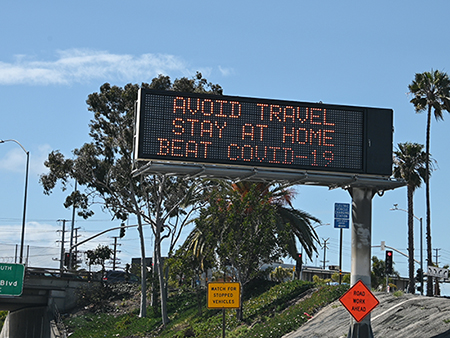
x=223 y=323
x=361 y=251
x=223 y=310
x=340 y=257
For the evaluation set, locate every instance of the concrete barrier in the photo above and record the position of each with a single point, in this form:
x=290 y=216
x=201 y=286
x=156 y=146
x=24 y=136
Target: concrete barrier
x=29 y=322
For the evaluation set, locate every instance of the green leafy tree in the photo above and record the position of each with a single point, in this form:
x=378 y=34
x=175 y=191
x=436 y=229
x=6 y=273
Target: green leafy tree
x=99 y=256
x=103 y=168
x=185 y=272
x=410 y=164
x=295 y=224
x=321 y=281
x=345 y=278
x=378 y=273
x=280 y=274
x=185 y=268
x=431 y=91
x=242 y=231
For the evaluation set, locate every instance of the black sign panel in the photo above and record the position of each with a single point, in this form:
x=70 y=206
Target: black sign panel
x=197 y=128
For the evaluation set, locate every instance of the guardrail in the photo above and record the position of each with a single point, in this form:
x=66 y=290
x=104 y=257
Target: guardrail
x=31 y=272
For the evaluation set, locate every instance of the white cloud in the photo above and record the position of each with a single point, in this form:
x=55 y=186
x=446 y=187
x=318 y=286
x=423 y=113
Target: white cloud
x=83 y=65
x=42 y=234
x=15 y=160
x=226 y=71
x=35 y=233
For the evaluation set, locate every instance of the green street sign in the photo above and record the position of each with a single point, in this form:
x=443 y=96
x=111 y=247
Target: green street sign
x=11 y=279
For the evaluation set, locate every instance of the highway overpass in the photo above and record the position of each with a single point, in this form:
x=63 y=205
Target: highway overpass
x=46 y=293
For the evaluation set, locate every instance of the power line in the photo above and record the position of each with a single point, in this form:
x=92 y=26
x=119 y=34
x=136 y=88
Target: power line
x=53 y=220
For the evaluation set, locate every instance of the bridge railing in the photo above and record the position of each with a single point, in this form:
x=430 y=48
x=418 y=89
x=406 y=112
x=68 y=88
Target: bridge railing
x=39 y=272
x=33 y=255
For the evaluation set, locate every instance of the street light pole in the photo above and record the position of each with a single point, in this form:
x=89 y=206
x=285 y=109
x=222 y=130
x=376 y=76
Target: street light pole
x=24 y=198
x=421 y=243
x=421 y=257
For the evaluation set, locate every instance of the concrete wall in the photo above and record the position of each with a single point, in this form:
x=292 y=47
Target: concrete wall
x=27 y=323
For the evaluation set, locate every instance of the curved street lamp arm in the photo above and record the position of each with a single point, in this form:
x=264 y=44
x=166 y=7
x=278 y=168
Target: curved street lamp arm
x=21 y=146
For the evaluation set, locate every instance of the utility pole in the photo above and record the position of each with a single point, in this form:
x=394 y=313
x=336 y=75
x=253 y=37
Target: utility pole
x=437 y=290
x=75 y=252
x=72 y=228
x=437 y=257
x=115 y=251
x=61 y=262
x=325 y=251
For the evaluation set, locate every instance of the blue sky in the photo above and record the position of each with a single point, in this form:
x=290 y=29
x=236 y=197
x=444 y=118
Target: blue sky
x=54 y=53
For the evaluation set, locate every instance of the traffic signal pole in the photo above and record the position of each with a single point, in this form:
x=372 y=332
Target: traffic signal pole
x=361 y=251
x=298 y=266
x=388 y=265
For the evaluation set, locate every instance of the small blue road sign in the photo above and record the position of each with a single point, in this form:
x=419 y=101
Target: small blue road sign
x=342 y=210
x=341 y=223
x=342 y=215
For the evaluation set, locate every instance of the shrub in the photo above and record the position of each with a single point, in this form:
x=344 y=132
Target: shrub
x=281 y=274
x=398 y=293
x=293 y=317
x=3 y=315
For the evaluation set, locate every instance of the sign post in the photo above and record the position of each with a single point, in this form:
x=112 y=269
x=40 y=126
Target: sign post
x=224 y=295
x=341 y=221
x=361 y=251
x=11 y=279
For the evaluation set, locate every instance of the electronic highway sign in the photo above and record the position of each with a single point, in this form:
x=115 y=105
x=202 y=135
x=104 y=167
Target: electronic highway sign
x=228 y=130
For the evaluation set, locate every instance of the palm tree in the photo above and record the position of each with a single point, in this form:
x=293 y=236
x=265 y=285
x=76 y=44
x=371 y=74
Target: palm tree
x=410 y=164
x=431 y=91
x=300 y=222
x=247 y=224
x=296 y=222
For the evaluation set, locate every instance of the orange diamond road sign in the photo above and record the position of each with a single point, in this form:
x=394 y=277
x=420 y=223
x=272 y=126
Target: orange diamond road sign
x=224 y=295
x=359 y=301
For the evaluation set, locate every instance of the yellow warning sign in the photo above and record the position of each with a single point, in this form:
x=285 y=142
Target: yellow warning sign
x=224 y=295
